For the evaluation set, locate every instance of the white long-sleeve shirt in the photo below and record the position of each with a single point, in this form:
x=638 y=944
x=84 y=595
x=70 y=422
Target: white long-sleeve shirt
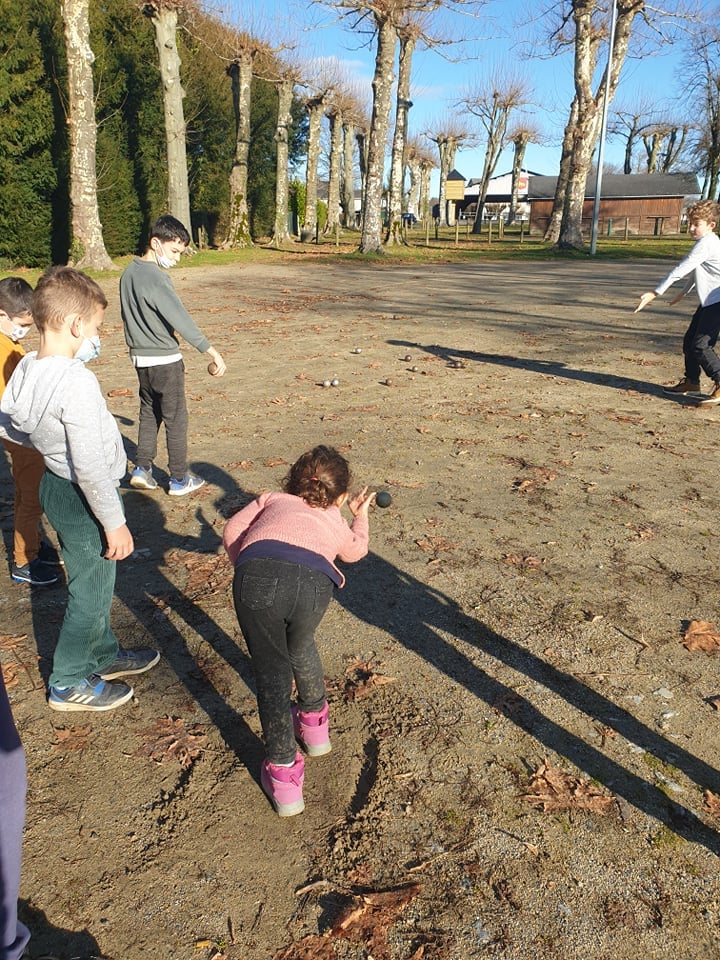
x=704 y=260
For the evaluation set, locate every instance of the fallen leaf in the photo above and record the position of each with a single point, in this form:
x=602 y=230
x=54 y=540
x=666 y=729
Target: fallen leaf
x=71 y=738
x=10 y=642
x=274 y=462
x=361 y=677
x=120 y=392
x=367 y=918
x=9 y=672
x=701 y=635
x=553 y=790
x=170 y=739
x=712 y=803
x=309 y=948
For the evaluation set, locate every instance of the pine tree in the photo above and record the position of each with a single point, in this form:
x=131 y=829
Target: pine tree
x=27 y=175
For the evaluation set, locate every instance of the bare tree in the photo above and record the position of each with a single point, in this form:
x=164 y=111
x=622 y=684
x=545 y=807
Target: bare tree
x=315 y=106
x=493 y=101
x=703 y=97
x=448 y=136
x=583 y=26
x=285 y=81
x=88 y=246
x=664 y=141
x=164 y=16
x=409 y=30
x=629 y=122
x=355 y=120
x=520 y=136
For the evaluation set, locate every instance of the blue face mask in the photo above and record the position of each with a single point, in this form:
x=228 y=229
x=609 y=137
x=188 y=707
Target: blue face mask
x=89 y=349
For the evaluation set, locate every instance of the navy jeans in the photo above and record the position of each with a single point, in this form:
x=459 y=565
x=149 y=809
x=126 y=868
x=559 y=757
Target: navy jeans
x=13 y=934
x=162 y=400
x=279 y=606
x=699 y=341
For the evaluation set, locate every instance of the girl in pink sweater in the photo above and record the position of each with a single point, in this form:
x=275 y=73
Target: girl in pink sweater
x=284 y=547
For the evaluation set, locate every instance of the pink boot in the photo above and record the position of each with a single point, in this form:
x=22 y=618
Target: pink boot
x=311 y=729
x=284 y=786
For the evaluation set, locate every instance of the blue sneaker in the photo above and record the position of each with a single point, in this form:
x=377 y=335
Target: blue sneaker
x=36 y=573
x=189 y=484
x=129 y=662
x=142 y=478
x=93 y=693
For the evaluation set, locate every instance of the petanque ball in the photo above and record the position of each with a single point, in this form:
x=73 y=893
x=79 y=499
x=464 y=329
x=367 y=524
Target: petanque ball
x=383 y=498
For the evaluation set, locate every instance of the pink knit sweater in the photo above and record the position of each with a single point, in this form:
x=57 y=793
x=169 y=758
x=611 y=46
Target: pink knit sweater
x=289 y=519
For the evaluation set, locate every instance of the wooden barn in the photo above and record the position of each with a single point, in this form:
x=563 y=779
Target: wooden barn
x=637 y=204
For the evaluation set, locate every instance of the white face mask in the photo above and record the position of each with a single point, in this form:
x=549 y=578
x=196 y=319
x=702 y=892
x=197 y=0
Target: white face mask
x=89 y=349
x=18 y=332
x=161 y=258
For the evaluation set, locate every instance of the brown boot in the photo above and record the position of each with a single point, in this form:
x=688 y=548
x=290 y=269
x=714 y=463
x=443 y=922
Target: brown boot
x=714 y=396
x=685 y=386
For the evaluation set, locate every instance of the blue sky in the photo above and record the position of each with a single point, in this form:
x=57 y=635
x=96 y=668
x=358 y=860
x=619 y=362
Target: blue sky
x=504 y=31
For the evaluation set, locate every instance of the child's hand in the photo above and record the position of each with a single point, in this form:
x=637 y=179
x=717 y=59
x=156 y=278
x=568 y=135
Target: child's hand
x=645 y=299
x=119 y=542
x=217 y=366
x=360 y=503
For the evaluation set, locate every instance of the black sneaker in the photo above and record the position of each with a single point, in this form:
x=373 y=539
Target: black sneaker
x=48 y=555
x=93 y=693
x=129 y=662
x=36 y=573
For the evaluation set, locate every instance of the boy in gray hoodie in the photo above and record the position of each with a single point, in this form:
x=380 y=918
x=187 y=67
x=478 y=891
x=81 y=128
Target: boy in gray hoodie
x=54 y=402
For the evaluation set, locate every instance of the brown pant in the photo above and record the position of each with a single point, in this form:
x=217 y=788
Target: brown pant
x=28 y=467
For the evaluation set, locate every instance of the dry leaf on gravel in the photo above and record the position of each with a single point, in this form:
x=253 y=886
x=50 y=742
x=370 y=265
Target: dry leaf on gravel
x=524 y=563
x=360 y=678
x=72 y=738
x=552 y=790
x=309 y=948
x=274 y=462
x=367 y=918
x=9 y=672
x=10 y=642
x=701 y=635
x=437 y=545
x=170 y=739
x=712 y=803
x=120 y=392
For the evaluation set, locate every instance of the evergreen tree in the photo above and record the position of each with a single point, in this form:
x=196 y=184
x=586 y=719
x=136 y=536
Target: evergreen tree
x=27 y=175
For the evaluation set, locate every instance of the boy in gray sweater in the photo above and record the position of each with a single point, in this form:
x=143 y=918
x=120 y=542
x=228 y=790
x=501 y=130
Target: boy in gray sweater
x=153 y=315
x=54 y=402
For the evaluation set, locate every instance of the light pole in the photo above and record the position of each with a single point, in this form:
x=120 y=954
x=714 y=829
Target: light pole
x=603 y=131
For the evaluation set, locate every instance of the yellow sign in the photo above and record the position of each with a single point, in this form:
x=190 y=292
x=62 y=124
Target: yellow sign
x=455 y=190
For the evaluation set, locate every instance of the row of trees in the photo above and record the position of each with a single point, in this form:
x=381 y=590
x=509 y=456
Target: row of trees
x=110 y=114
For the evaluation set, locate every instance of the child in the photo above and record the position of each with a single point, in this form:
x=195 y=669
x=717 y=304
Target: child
x=33 y=558
x=152 y=313
x=283 y=546
x=702 y=334
x=55 y=401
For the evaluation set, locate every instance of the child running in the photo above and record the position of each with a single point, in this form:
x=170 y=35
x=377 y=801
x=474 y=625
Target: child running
x=283 y=546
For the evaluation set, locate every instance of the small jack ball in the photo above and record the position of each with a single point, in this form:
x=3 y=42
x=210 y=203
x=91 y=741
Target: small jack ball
x=383 y=498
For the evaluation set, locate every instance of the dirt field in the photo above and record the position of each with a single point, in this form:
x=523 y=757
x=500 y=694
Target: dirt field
x=521 y=743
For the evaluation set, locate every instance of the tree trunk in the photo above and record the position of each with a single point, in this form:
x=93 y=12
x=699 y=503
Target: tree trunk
x=447 y=148
x=240 y=72
x=281 y=230
x=315 y=109
x=552 y=231
x=590 y=107
x=88 y=247
x=371 y=238
x=333 y=211
x=413 y=201
x=164 y=20
x=393 y=233
x=497 y=128
x=519 y=148
x=348 y=183
x=424 y=201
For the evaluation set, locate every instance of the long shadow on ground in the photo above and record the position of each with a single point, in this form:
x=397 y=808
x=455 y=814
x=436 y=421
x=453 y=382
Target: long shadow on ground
x=550 y=368
x=416 y=615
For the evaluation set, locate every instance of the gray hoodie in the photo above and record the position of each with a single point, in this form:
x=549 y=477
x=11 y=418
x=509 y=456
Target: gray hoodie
x=57 y=404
